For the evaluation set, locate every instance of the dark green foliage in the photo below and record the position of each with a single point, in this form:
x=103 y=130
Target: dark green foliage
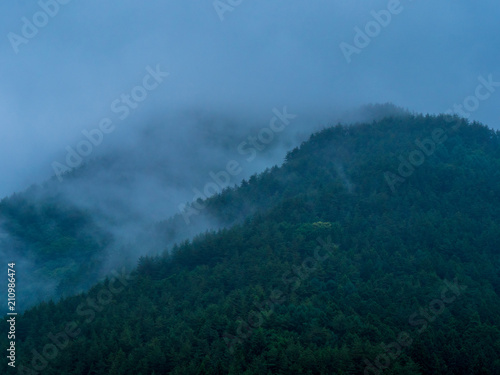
x=194 y=310
x=62 y=244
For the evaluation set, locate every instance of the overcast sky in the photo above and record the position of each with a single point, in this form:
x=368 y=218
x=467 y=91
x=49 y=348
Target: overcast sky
x=254 y=56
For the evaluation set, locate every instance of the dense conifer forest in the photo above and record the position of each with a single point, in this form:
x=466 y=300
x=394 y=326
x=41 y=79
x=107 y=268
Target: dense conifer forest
x=374 y=248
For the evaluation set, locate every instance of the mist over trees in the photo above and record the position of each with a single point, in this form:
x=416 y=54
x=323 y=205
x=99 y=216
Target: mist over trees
x=321 y=267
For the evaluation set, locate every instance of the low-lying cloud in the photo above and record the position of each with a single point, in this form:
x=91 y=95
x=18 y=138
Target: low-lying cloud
x=83 y=55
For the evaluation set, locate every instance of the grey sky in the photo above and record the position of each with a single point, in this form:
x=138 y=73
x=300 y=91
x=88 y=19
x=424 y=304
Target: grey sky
x=264 y=54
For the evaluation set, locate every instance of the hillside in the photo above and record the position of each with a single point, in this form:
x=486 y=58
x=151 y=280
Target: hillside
x=372 y=248
x=69 y=232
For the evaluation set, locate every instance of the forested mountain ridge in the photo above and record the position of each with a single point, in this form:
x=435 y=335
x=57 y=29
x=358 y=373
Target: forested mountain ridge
x=69 y=232
x=324 y=268
x=59 y=245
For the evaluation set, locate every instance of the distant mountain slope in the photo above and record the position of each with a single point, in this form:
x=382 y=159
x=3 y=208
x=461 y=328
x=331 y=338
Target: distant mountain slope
x=57 y=246
x=373 y=249
x=73 y=230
